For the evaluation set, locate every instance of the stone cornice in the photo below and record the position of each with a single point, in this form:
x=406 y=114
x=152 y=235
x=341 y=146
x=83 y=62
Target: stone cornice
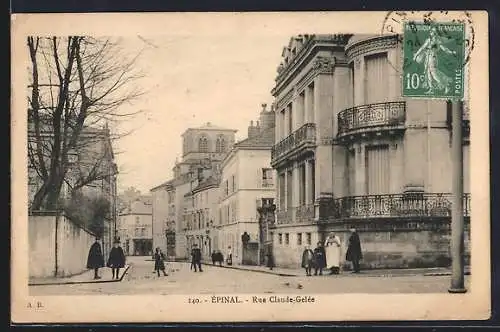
x=372 y=44
x=321 y=65
x=308 y=50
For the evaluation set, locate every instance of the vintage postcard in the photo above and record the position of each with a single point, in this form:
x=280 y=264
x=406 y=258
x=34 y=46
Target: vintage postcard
x=244 y=167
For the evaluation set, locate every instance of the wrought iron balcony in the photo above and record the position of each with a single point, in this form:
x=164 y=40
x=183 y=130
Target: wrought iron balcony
x=399 y=205
x=285 y=216
x=305 y=135
x=305 y=213
x=390 y=114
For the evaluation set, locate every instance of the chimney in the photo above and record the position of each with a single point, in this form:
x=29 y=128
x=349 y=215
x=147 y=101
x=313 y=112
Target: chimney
x=266 y=118
x=253 y=130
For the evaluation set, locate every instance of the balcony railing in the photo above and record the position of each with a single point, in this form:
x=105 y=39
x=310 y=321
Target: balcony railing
x=305 y=213
x=300 y=214
x=399 y=205
x=371 y=115
x=303 y=135
x=285 y=217
x=267 y=183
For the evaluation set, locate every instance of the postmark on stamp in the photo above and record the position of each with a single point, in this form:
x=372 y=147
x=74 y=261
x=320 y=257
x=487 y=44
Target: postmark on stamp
x=433 y=55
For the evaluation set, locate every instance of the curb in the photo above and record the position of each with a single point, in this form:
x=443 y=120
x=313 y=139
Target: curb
x=442 y=274
x=81 y=282
x=252 y=270
x=367 y=274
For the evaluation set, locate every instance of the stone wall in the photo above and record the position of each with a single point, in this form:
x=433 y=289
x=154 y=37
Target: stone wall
x=404 y=248
x=72 y=245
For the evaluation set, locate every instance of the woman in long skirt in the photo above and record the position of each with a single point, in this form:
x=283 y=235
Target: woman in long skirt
x=333 y=254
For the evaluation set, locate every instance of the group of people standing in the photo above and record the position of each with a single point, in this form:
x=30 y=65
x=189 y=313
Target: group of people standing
x=328 y=255
x=116 y=259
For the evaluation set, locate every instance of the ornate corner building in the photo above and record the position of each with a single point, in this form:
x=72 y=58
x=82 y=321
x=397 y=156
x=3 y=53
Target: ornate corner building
x=351 y=152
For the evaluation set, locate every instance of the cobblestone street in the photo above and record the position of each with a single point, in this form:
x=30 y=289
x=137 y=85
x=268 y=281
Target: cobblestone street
x=140 y=279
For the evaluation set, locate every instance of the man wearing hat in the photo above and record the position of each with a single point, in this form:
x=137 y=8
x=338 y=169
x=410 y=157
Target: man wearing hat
x=116 y=259
x=196 y=257
x=354 y=253
x=95 y=259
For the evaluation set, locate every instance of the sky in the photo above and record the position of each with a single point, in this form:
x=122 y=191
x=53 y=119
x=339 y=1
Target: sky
x=191 y=80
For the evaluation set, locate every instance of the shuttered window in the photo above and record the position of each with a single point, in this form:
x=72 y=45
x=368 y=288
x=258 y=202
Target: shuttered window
x=289 y=190
x=351 y=172
x=377 y=169
x=376 y=78
x=466 y=166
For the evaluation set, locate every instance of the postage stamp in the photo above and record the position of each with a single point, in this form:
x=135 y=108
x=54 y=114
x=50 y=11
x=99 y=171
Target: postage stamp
x=433 y=60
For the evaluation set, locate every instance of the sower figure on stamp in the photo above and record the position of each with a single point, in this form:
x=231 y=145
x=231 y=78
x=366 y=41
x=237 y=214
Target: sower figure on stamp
x=116 y=259
x=196 y=258
x=319 y=259
x=308 y=260
x=332 y=249
x=159 y=262
x=354 y=253
x=95 y=258
x=428 y=54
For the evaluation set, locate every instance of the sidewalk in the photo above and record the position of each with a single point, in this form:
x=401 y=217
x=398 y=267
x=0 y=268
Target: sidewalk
x=287 y=272
x=87 y=277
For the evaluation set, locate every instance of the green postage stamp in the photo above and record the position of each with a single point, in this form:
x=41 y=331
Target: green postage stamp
x=433 y=60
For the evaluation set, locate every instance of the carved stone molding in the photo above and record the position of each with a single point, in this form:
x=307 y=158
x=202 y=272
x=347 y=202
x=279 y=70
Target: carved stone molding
x=324 y=65
x=379 y=43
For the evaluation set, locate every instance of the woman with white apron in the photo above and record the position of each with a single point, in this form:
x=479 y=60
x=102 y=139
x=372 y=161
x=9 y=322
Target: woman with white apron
x=332 y=249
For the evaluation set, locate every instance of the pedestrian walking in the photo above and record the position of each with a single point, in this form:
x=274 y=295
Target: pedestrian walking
x=160 y=262
x=270 y=258
x=333 y=254
x=229 y=256
x=308 y=260
x=196 y=258
x=319 y=259
x=95 y=259
x=116 y=259
x=354 y=254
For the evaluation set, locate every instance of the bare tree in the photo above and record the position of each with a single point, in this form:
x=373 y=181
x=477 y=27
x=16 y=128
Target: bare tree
x=78 y=84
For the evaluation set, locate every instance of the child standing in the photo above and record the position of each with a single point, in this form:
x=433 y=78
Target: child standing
x=307 y=260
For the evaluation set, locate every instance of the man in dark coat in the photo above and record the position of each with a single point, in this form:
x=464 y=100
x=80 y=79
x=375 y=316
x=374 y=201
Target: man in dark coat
x=196 y=258
x=354 y=253
x=116 y=259
x=159 y=258
x=95 y=259
x=319 y=259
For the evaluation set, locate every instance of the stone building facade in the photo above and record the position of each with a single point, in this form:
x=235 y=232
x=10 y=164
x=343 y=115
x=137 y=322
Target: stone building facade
x=200 y=217
x=163 y=201
x=247 y=180
x=203 y=148
x=351 y=152
x=135 y=229
x=93 y=154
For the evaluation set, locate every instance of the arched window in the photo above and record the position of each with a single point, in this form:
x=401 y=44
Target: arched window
x=220 y=144
x=203 y=144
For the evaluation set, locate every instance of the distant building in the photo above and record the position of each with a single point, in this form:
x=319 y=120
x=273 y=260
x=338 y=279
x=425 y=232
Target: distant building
x=203 y=148
x=200 y=216
x=163 y=207
x=135 y=229
x=247 y=182
x=93 y=150
x=351 y=152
